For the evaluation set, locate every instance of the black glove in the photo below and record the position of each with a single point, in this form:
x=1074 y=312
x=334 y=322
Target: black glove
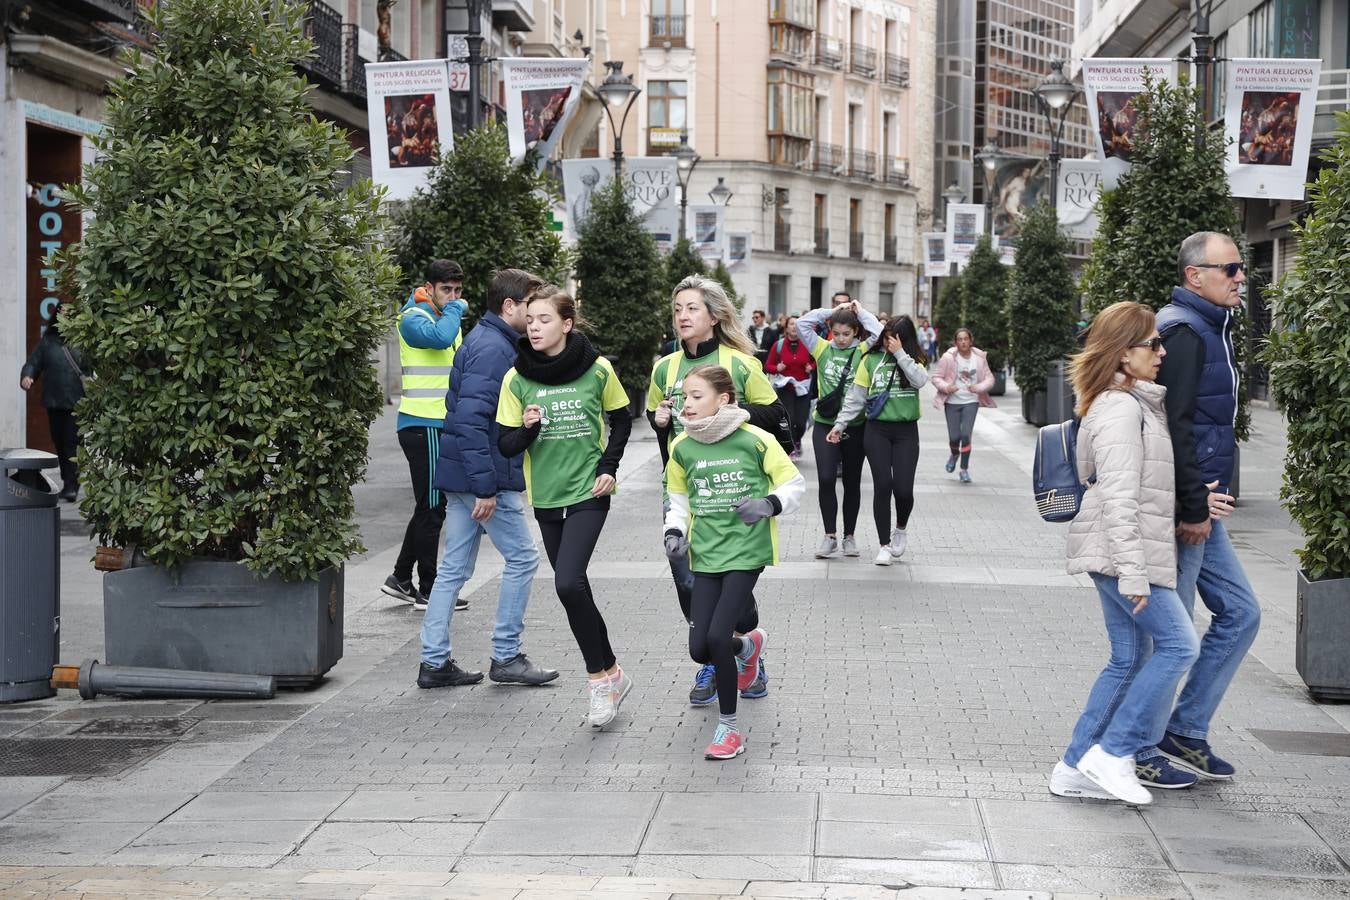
x=751 y=509
x=677 y=545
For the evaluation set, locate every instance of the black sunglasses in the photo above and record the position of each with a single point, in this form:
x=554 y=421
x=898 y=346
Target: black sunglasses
x=1154 y=344
x=1229 y=269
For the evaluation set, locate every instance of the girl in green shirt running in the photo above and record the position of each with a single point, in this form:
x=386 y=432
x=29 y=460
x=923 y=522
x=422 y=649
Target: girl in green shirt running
x=552 y=407
x=726 y=480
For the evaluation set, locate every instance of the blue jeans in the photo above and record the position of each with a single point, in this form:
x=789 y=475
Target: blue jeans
x=1127 y=708
x=1213 y=569
x=510 y=534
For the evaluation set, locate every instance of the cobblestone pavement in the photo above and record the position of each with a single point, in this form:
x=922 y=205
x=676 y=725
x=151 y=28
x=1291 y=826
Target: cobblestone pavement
x=913 y=716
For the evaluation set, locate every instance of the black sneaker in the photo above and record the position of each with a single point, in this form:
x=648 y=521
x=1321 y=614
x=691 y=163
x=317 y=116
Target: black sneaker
x=420 y=604
x=461 y=604
x=705 y=686
x=448 y=675
x=399 y=590
x=519 y=670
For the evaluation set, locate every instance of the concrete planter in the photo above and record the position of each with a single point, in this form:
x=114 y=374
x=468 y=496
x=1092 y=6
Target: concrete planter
x=1323 y=634
x=1033 y=408
x=1000 y=383
x=1052 y=403
x=220 y=617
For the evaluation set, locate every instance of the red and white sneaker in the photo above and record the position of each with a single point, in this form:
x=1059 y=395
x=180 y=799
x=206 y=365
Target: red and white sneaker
x=750 y=666
x=726 y=744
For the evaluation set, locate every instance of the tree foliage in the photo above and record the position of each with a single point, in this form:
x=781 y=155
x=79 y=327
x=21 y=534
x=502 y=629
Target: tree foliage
x=682 y=261
x=483 y=211
x=230 y=295
x=984 y=310
x=1309 y=358
x=947 y=311
x=1040 y=298
x=621 y=286
x=722 y=274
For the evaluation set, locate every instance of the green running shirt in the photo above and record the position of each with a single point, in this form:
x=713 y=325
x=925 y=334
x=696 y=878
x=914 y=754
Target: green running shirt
x=747 y=373
x=874 y=372
x=560 y=464
x=830 y=365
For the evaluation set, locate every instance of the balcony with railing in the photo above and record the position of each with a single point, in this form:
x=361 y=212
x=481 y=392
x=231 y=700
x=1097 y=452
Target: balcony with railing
x=826 y=157
x=862 y=164
x=897 y=173
x=1333 y=96
x=890 y=251
x=782 y=237
x=353 y=66
x=830 y=52
x=855 y=245
x=862 y=60
x=667 y=31
x=897 y=71
x=323 y=26
x=822 y=244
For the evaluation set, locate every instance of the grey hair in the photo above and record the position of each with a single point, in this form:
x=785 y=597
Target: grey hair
x=727 y=327
x=1193 y=251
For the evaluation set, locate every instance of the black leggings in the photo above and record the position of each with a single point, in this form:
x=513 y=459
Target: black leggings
x=893 y=455
x=720 y=601
x=569 y=544
x=828 y=456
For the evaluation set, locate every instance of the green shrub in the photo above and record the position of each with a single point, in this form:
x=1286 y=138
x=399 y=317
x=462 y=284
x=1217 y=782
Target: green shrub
x=682 y=261
x=1309 y=358
x=1040 y=298
x=231 y=292
x=984 y=292
x=946 y=316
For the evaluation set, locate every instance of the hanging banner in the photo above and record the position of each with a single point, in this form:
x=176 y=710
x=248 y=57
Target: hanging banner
x=935 y=254
x=1006 y=250
x=738 y=250
x=1111 y=86
x=965 y=224
x=652 y=188
x=540 y=97
x=1080 y=186
x=409 y=103
x=1018 y=183
x=707 y=230
x=1268 y=124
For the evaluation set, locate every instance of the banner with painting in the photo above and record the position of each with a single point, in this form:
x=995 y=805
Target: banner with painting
x=541 y=95
x=707 y=230
x=738 y=250
x=1080 y=187
x=935 y=254
x=650 y=182
x=965 y=224
x=1268 y=126
x=409 y=103
x=1112 y=86
x=1019 y=182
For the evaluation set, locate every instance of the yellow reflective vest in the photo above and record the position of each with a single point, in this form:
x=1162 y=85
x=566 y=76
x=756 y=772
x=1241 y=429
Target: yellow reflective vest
x=426 y=374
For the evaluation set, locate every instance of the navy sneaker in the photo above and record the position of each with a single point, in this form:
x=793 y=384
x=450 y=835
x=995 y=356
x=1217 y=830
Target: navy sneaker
x=1196 y=755
x=1159 y=772
x=705 y=687
x=759 y=688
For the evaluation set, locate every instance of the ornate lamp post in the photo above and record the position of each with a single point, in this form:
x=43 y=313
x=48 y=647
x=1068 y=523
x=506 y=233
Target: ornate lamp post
x=685 y=160
x=618 y=92
x=1055 y=95
x=466 y=17
x=988 y=157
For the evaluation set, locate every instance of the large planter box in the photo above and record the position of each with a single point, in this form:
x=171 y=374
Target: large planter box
x=1052 y=403
x=220 y=617
x=1000 y=383
x=1033 y=408
x=1323 y=636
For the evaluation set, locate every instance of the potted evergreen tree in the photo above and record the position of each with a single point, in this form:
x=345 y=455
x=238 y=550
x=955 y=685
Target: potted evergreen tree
x=947 y=311
x=1309 y=358
x=984 y=292
x=1040 y=316
x=231 y=291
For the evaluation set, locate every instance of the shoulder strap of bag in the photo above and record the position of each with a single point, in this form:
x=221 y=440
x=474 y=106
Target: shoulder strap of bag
x=70 y=357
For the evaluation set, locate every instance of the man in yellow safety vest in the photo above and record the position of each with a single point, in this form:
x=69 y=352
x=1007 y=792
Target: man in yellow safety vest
x=428 y=336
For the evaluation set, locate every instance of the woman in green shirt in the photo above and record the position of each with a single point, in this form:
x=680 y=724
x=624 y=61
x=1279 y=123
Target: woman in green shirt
x=727 y=481
x=887 y=389
x=552 y=407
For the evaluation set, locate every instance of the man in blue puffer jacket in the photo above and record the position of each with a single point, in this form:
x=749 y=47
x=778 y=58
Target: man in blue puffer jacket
x=1201 y=376
x=484 y=492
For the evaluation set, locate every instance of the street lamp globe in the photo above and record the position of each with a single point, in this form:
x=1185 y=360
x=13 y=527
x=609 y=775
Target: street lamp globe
x=617 y=89
x=685 y=156
x=953 y=193
x=720 y=194
x=988 y=156
x=1055 y=89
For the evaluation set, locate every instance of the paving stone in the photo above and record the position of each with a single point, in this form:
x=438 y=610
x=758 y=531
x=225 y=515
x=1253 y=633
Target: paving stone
x=599 y=836
x=1126 y=882
x=913 y=810
x=1062 y=814
x=64 y=843
x=1208 y=886
x=74 y=805
x=892 y=840
x=261 y=806
x=1256 y=856
x=543 y=804
x=925 y=872
x=546 y=865
x=696 y=837
x=181 y=843
x=375 y=839
x=768 y=867
x=417 y=806
x=1075 y=848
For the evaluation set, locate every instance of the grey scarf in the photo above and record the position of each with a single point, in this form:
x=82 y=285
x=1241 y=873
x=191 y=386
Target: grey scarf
x=717 y=426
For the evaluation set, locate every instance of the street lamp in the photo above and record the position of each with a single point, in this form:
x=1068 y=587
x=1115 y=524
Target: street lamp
x=720 y=194
x=1055 y=95
x=989 y=156
x=618 y=92
x=466 y=17
x=953 y=194
x=685 y=160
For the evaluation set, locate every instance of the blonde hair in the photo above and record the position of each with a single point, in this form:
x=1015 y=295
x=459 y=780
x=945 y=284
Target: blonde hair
x=716 y=377
x=1114 y=330
x=727 y=327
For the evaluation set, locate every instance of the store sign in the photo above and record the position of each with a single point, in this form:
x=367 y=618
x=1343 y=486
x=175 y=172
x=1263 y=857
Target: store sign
x=1299 y=29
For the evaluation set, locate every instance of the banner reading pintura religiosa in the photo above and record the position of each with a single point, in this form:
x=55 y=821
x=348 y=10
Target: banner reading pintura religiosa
x=541 y=95
x=408 y=103
x=1268 y=124
x=1112 y=86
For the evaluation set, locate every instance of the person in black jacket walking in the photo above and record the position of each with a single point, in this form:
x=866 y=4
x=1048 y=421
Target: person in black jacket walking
x=62 y=388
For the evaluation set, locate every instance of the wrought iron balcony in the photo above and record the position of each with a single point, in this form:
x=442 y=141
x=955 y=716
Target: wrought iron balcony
x=897 y=71
x=862 y=164
x=855 y=244
x=826 y=157
x=890 y=252
x=830 y=52
x=822 y=246
x=782 y=237
x=862 y=60
x=667 y=30
x=323 y=26
x=897 y=173
x=353 y=66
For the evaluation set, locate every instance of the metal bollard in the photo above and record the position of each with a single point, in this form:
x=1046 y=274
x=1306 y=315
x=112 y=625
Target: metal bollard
x=92 y=679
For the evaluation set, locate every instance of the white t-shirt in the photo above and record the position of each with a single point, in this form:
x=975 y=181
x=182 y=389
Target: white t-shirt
x=967 y=373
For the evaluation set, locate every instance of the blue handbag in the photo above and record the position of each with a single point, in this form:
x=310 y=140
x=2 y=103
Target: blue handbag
x=1054 y=472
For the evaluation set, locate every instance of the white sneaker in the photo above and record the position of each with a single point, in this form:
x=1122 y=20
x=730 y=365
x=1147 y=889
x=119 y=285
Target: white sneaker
x=884 y=557
x=850 y=545
x=828 y=549
x=602 y=703
x=1066 y=781
x=899 y=540
x=1115 y=775
x=619 y=689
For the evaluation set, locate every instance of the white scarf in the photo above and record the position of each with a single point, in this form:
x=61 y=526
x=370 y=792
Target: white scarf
x=717 y=426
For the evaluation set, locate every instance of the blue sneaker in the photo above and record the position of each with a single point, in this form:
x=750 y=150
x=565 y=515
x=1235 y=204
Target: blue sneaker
x=705 y=687
x=759 y=688
x=951 y=463
x=1158 y=772
x=1196 y=755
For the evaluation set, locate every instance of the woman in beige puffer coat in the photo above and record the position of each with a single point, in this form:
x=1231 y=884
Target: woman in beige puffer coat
x=1123 y=538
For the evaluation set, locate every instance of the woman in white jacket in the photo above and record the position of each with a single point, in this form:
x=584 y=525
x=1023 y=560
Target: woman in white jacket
x=1123 y=537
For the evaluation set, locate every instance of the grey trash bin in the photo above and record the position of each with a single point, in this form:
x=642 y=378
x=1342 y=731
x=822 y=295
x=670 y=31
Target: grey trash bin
x=30 y=576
